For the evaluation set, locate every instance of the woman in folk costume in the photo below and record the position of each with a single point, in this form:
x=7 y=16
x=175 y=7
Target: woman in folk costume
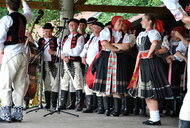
x=149 y=80
x=112 y=67
x=175 y=44
x=184 y=116
x=128 y=101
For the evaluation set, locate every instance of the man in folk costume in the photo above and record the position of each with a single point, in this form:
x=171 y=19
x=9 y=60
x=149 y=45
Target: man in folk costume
x=90 y=22
x=82 y=29
x=13 y=70
x=91 y=49
x=72 y=47
x=49 y=44
x=112 y=67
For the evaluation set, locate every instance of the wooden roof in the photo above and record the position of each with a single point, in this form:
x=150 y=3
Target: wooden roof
x=80 y=6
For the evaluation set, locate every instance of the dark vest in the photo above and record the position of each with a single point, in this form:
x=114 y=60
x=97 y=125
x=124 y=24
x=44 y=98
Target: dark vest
x=112 y=40
x=86 y=38
x=99 y=43
x=145 y=43
x=73 y=45
x=52 y=44
x=16 y=33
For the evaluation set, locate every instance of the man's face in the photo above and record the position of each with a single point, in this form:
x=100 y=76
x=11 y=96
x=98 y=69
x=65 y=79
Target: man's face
x=48 y=33
x=73 y=26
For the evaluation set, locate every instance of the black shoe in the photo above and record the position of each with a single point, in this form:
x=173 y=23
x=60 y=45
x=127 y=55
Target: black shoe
x=15 y=120
x=88 y=110
x=149 y=122
x=4 y=121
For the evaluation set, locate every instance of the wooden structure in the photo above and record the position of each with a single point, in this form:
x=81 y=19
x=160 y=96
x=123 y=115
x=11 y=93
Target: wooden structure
x=80 y=6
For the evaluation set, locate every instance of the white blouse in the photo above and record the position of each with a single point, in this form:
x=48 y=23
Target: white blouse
x=105 y=35
x=153 y=35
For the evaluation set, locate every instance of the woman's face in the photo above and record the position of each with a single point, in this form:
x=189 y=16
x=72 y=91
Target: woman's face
x=118 y=25
x=145 y=22
x=173 y=36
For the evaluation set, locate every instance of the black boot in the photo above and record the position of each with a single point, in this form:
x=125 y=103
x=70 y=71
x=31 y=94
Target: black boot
x=26 y=104
x=106 y=101
x=72 y=100
x=143 y=105
x=47 y=99
x=89 y=108
x=117 y=107
x=100 y=105
x=95 y=102
x=128 y=106
x=137 y=102
x=54 y=99
x=175 y=108
x=79 y=100
x=64 y=97
x=167 y=107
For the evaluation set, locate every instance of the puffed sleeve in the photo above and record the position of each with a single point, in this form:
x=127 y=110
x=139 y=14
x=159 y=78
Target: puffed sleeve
x=138 y=40
x=154 y=35
x=181 y=47
x=105 y=35
x=165 y=43
x=126 y=39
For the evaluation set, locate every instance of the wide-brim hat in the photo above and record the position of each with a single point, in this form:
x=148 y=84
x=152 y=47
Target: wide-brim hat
x=48 y=26
x=82 y=20
x=73 y=20
x=99 y=24
x=91 y=20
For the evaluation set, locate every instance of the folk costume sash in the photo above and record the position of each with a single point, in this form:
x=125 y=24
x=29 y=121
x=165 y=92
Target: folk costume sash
x=111 y=80
x=134 y=79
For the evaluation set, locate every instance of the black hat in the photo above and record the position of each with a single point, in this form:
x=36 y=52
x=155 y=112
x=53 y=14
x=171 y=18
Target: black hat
x=82 y=20
x=99 y=24
x=91 y=20
x=73 y=20
x=48 y=26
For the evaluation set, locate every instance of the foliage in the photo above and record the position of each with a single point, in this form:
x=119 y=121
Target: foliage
x=105 y=17
x=50 y=15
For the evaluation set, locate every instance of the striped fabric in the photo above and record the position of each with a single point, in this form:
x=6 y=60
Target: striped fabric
x=111 y=81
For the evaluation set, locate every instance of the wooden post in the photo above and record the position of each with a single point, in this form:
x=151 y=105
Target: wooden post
x=67 y=11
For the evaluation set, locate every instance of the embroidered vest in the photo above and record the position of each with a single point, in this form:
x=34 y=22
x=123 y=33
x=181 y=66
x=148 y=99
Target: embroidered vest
x=73 y=45
x=52 y=44
x=16 y=33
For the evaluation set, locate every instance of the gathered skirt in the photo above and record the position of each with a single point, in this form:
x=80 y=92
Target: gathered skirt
x=123 y=73
x=152 y=81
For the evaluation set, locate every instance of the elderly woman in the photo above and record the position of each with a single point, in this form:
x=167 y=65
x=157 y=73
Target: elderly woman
x=112 y=67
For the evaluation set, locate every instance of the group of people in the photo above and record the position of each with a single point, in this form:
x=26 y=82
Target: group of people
x=121 y=66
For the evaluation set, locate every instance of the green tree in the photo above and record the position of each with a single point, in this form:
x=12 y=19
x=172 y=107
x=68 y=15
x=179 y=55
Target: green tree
x=105 y=17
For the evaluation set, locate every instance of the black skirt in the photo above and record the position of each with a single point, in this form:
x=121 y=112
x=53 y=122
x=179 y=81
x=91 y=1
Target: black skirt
x=176 y=78
x=124 y=72
x=152 y=82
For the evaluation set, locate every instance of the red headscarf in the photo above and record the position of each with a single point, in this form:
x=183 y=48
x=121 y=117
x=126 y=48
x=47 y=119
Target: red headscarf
x=182 y=30
x=128 y=23
x=114 y=19
x=159 y=26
